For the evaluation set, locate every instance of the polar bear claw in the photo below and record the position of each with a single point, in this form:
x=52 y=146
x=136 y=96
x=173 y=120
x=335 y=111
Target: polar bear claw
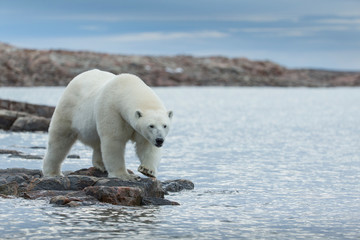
x=146 y=172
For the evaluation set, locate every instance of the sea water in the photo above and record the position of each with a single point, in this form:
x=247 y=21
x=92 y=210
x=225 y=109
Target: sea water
x=267 y=163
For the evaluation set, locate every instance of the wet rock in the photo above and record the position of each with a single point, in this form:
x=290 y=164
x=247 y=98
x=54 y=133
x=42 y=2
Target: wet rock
x=73 y=199
x=92 y=171
x=22 y=108
x=11 y=152
x=150 y=187
x=49 y=183
x=7 y=118
x=73 y=204
x=177 y=185
x=9 y=188
x=59 y=200
x=20 y=116
x=157 y=201
x=78 y=182
x=126 y=196
x=42 y=194
x=25 y=156
x=81 y=188
x=30 y=124
x=15 y=171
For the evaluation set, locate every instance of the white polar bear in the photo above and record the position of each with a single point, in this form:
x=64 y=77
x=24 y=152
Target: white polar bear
x=105 y=111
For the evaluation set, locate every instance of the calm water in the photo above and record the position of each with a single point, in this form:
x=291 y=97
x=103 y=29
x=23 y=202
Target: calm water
x=267 y=163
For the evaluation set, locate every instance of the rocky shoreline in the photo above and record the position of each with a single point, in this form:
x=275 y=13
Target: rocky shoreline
x=21 y=116
x=87 y=187
x=28 y=67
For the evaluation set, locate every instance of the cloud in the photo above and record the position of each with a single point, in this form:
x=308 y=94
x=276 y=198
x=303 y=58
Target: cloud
x=341 y=21
x=164 y=17
x=295 y=31
x=159 y=36
x=149 y=42
x=92 y=28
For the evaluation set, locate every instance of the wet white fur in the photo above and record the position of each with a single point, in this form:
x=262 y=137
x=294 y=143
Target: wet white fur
x=105 y=111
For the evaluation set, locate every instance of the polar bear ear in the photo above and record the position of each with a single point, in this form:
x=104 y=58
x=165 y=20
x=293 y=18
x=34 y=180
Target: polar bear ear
x=138 y=114
x=170 y=114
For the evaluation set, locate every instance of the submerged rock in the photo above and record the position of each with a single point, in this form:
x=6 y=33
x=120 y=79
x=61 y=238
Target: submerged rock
x=87 y=187
x=177 y=185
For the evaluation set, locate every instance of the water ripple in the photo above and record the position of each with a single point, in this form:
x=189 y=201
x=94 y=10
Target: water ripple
x=266 y=163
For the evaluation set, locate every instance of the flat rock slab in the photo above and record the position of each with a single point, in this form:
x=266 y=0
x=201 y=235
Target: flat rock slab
x=87 y=187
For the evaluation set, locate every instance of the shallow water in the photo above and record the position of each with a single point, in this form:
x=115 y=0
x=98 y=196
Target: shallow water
x=276 y=163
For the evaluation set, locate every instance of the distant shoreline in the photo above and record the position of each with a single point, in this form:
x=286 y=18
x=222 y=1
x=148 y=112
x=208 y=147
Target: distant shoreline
x=29 y=67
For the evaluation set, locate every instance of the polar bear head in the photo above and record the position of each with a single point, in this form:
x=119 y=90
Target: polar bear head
x=153 y=125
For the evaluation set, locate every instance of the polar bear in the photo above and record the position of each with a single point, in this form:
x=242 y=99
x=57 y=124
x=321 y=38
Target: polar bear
x=105 y=111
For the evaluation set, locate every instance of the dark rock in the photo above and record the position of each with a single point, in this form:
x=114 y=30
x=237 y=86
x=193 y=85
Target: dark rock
x=60 y=200
x=82 y=189
x=157 y=201
x=37 y=147
x=7 y=118
x=177 y=185
x=49 y=183
x=23 y=108
x=92 y=171
x=25 y=156
x=20 y=116
x=74 y=204
x=42 y=194
x=9 y=188
x=31 y=124
x=73 y=156
x=20 y=178
x=29 y=172
x=126 y=196
x=2 y=181
x=78 y=182
x=150 y=187
x=11 y=152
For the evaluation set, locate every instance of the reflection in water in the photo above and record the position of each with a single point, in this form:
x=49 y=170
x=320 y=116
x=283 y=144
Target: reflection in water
x=266 y=163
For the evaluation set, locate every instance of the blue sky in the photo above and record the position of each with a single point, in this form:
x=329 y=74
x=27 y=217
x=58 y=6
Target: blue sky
x=293 y=33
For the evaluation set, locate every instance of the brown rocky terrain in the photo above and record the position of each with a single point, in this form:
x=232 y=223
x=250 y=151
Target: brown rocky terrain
x=26 y=67
x=87 y=187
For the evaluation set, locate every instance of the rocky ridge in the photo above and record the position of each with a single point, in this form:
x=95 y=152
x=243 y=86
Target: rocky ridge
x=27 y=67
x=87 y=187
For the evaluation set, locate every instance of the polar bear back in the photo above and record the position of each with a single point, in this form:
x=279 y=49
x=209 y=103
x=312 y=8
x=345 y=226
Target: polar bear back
x=133 y=93
x=93 y=88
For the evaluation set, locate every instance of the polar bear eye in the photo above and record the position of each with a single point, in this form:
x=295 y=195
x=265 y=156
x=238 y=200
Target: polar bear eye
x=164 y=126
x=151 y=126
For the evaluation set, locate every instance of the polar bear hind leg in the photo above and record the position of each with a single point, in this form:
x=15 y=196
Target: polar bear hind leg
x=58 y=147
x=97 y=159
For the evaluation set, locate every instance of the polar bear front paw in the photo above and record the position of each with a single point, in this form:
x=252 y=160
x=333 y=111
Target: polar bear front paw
x=146 y=171
x=100 y=167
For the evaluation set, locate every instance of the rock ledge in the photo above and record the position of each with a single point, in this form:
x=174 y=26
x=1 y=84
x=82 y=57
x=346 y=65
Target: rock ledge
x=87 y=187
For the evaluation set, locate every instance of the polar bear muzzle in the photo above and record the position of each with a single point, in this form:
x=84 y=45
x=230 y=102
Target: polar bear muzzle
x=159 y=142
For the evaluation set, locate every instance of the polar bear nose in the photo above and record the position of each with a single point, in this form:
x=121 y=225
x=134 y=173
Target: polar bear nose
x=159 y=142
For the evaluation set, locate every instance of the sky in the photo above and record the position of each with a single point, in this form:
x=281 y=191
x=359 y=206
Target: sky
x=321 y=34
